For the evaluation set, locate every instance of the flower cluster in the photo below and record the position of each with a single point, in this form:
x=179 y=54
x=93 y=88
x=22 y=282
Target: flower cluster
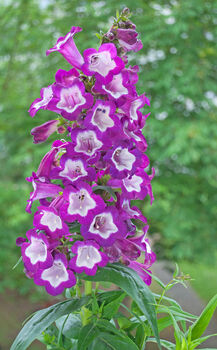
x=86 y=182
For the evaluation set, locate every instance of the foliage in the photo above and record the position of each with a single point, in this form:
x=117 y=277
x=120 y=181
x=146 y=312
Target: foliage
x=102 y=330
x=178 y=70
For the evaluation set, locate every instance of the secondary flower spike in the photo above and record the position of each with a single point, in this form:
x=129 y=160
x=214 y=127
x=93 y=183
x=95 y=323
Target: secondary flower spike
x=85 y=183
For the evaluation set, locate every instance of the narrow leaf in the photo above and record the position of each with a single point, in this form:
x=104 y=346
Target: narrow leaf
x=86 y=336
x=202 y=322
x=43 y=319
x=106 y=341
x=132 y=284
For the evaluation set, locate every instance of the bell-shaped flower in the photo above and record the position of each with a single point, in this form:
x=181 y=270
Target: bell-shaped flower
x=43 y=102
x=65 y=77
x=142 y=270
x=35 y=253
x=72 y=169
x=80 y=202
x=101 y=115
x=104 y=227
x=66 y=46
x=131 y=212
x=42 y=132
x=104 y=63
x=71 y=99
x=137 y=186
x=48 y=219
x=57 y=277
x=48 y=161
x=87 y=143
x=128 y=40
x=41 y=190
x=132 y=107
x=124 y=159
x=117 y=88
x=134 y=135
x=87 y=257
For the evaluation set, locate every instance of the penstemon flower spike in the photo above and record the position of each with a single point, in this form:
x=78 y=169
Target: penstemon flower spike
x=85 y=221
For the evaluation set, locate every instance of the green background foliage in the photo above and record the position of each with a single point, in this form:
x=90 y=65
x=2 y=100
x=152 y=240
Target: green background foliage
x=178 y=70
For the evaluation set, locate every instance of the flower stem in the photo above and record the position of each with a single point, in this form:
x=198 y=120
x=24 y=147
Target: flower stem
x=87 y=288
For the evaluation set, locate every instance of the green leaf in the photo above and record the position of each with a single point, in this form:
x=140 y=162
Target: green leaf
x=110 y=310
x=43 y=319
x=105 y=341
x=109 y=296
x=165 y=343
x=69 y=325
x=132 y=284
x=199 y=341
x=86 y=336
x=107 y=189
x=202 y=322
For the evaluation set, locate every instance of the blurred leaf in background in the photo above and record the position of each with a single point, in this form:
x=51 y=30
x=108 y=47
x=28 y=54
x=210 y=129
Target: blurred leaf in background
x=178 y=71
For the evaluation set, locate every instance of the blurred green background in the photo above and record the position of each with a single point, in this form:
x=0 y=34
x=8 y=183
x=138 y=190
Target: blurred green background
x=178 y=73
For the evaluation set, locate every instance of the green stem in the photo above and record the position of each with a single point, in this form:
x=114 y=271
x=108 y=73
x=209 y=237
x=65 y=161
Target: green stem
x=78 y=291
x=87 y=287
x=86 y=313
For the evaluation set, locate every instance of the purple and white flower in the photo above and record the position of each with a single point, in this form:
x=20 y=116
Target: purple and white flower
x=66 y=78
x=123 y=160
x=128 y=39
x=86 y=142
x=104 y=63
x=87 y=257
x=104 y=227
x=35 y=253
x=48 y=219
x=42 y=132
x=41 y=190
x=71 y=99
x=80 y=202
x=66 y=46
x=117 y=88
x=101 y=116
x=57 y=277
x=137 y=186
x=73 y=169
x=42 y=103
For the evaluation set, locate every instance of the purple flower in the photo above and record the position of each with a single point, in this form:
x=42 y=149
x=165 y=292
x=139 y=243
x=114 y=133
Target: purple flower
x=104 y=227
x=42 y=132
x=57 y=277
x=35 y=253
x=128 y=39
x=48 y=219
x=118 y=87
x=87 y=257
x=131 y=107
x=104 y=63
x=41 y=190
x=101 y=116
x=66 y=46
x=141 y=270
x=42 y=103
x=71 y=99
x=86 y=142
x=66 y=78
x=131 y=212
x=137 y=186
x=124 y=159
x=80 y=202
x=73 y=169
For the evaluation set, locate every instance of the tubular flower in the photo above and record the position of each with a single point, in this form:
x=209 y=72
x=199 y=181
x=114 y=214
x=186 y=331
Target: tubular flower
x=85 y=183
x=66 y=46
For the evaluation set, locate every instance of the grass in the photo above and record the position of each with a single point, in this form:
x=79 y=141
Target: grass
x=204 y=278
